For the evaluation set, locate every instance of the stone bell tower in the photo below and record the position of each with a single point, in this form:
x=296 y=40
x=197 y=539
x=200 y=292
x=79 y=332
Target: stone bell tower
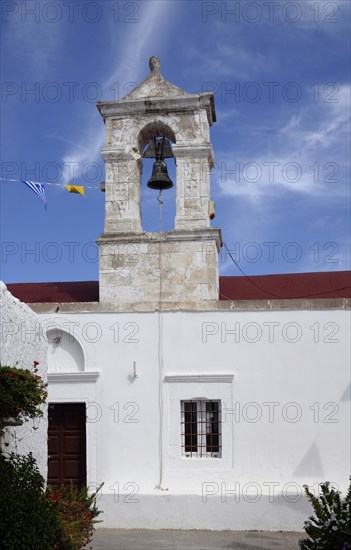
x=173 y=269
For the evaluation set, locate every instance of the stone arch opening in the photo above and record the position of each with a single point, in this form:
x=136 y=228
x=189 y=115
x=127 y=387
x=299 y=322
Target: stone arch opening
x=150 y=218
x=157 y=128
x=65 y=354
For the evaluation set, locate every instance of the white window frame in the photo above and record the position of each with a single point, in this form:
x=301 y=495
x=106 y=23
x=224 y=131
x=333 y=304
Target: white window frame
x=203 y=428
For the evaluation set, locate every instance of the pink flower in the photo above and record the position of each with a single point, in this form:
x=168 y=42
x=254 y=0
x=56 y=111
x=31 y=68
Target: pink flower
x=36 y=363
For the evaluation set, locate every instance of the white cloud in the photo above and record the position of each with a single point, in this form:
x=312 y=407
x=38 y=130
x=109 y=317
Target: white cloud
x=132 y=62
x=34 y=41
x=333 y=125
x=329 y=17
x=223 y=61
x=309 y=156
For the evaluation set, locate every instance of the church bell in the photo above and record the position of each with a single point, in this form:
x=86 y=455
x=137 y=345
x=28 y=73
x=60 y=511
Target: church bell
x=160 y=179
x=159 y=148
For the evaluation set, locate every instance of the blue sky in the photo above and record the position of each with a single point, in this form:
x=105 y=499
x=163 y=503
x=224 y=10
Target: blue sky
x=279 y=71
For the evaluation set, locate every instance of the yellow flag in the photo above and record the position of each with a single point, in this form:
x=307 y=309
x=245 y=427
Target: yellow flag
x=76 y=189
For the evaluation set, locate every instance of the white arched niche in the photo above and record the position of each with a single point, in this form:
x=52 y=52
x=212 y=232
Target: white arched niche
x=65 y=354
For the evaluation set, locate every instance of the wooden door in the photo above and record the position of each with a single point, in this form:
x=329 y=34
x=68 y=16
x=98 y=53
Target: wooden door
x=67 y=444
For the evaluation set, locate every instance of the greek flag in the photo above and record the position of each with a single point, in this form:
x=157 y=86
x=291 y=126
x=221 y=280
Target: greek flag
x=39 y=189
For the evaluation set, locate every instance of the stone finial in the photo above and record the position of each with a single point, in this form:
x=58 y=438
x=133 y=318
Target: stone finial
x=154 y=64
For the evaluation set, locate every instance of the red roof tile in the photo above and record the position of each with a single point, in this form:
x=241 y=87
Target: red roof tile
x=81 y=291
x=336 y=284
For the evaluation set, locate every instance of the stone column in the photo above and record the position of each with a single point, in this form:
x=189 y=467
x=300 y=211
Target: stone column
x=194 y=163
x=123 y=192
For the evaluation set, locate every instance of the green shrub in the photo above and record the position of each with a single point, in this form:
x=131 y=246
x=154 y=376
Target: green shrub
x=21 y=392
x=78 y=512
x=330 y=527
x=28 y=520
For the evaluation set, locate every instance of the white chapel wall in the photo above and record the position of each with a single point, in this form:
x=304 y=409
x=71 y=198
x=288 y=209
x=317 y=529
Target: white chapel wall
x=285 y=412
x=22 y=343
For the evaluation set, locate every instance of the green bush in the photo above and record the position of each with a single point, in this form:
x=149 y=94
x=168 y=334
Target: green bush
x=21 y=392
x=28 y=520
x=330 y=527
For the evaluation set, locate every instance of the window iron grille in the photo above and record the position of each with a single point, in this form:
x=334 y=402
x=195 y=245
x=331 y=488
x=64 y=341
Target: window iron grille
x=201 y=428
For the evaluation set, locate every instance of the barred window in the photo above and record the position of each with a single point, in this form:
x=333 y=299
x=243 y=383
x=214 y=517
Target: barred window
x=201 y=428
